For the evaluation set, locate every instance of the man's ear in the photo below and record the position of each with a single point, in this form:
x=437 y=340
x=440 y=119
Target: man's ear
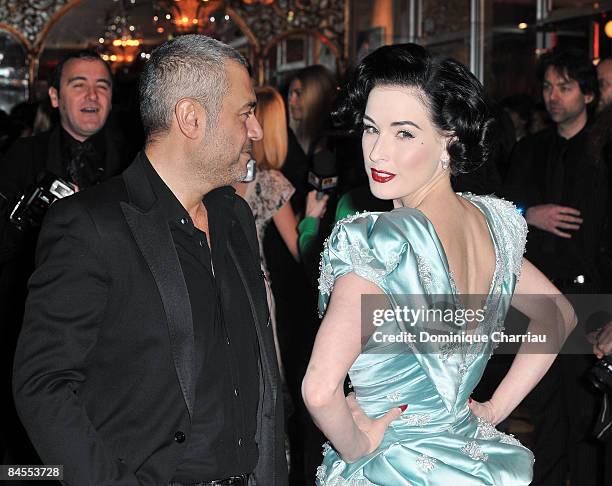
x=588 y=98
x=54 y=96
x=190 y=117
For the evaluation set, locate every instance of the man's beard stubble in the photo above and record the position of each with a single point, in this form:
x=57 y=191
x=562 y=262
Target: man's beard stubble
x=216 y=165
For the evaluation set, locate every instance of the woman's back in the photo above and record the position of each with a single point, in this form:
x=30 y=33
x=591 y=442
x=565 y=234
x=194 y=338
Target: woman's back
x=402 y=253
x=467 y=241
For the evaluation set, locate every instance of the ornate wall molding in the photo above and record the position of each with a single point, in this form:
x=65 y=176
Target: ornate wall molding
x=263 y=25
x=266 y=22
x=17 y=34
x=29 y=17
x=321 y=17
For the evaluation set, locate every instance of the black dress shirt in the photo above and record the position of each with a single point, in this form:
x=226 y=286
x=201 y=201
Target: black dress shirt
x=222 y=438
x=83 y=162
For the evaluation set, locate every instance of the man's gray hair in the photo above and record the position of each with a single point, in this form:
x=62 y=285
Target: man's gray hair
x=189 y=66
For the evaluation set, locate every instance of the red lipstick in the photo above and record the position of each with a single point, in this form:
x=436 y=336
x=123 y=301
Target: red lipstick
x=381 y=176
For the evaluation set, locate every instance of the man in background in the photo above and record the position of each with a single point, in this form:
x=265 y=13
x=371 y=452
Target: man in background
x=81 y=151
x=604 y=76
x=561 y=190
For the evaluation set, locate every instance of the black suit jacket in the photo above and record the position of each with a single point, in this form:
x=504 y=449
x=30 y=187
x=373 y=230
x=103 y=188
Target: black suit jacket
x=29 y=156
x=103 y=376
x=531 y=182
x=19 y=169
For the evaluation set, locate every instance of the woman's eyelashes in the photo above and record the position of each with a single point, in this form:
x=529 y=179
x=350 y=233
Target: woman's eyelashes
x=369 y=128
x=405 y=134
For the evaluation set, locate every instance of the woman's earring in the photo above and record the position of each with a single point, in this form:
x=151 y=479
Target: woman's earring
x=445 y=163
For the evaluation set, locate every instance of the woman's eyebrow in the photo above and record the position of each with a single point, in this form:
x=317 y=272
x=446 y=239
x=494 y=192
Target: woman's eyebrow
x=396 y=123
x=405 y=122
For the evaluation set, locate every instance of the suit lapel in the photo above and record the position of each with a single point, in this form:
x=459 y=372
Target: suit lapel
x=251 y=277
x=152 y=234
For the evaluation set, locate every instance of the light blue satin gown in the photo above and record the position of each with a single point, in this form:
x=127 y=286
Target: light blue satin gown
x=437 y=440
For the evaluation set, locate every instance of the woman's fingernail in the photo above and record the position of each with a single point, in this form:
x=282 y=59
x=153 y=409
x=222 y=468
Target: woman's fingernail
x=470 y=400
x=403 y=408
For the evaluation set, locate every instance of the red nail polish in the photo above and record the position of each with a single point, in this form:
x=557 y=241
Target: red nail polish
x=470 y=400
x=403 y=408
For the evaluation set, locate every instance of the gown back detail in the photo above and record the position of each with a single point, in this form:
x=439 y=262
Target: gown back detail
x=437 y=440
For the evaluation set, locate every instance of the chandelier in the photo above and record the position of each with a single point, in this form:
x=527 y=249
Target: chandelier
x=193 y=16
x=187 y=16
x=121 y=42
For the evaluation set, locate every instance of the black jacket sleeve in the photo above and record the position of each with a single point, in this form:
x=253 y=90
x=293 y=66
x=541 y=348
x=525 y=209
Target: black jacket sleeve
x=64 y=312
x=518 y=186
x=16 y=174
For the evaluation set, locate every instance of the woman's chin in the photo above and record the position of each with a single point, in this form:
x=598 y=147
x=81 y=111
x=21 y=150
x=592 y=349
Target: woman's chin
x=380 y=192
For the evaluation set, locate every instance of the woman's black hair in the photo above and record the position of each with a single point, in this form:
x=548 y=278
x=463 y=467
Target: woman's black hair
x=455 y=99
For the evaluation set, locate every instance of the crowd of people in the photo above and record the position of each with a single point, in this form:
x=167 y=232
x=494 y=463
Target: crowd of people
x=157 y=328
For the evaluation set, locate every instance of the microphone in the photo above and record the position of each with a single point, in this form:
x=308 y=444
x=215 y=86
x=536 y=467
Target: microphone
x=250 y=175
x=323 y=176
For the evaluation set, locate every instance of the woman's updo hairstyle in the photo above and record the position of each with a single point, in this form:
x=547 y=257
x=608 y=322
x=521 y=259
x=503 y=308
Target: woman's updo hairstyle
x=454 y=98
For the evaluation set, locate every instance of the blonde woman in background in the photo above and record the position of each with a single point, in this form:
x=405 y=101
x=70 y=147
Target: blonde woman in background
x=269 y=193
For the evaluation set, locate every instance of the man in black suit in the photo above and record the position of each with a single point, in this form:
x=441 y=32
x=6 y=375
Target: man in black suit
x=146 y=354
x=562 y=190
x=81 y=150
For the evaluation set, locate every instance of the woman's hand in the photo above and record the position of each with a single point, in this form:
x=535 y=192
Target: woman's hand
x=372 y=430
x=484 y=410
x=316 y=208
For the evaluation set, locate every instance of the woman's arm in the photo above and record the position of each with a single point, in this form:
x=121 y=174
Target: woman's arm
x=308 y=228
x=286 y=224
x=338 y=344
x=549 y=313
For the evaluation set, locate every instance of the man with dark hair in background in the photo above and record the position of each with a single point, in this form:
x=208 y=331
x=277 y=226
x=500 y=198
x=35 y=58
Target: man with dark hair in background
x=80 y=151
x=146 y=355
x=562 y=192
x=604 y=76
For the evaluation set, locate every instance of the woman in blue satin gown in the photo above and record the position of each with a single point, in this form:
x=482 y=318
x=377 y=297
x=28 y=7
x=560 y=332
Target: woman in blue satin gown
x=410 y=420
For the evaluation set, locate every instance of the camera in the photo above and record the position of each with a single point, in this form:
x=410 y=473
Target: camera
x=600 y=376
x=31 y=208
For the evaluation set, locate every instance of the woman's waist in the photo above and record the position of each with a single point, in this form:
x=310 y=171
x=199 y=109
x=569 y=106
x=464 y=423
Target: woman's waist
x=422 y=416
